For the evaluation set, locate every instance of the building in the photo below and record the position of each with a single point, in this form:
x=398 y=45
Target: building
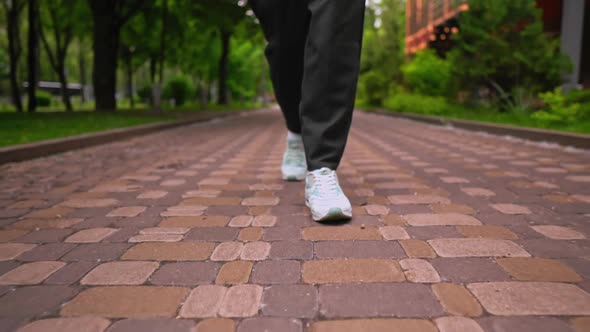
x=430 y=23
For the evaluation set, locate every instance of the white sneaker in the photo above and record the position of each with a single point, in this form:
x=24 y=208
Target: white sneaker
x=324 y=197
x=294 y=165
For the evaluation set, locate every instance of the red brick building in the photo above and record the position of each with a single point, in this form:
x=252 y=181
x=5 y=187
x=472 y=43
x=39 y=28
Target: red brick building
x=430 y=23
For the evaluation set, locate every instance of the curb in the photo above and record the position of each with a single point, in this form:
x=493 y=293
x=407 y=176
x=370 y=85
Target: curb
x=34 y=150
x=580 y=141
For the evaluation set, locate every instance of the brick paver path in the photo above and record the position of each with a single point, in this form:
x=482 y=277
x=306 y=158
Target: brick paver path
x=192 y=229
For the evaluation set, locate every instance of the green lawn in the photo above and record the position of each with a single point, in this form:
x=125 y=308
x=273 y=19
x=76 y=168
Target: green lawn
x=425 y=105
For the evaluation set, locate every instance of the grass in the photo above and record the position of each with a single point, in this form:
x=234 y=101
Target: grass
x=21 y=128
x=437 y=106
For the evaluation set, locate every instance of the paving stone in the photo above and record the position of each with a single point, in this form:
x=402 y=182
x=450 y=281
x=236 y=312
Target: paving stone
x=511 y=208
x=7 y=235
x=280 y=233
x=152 y=194
x=216 y=325
x=233 y=273
x=538 y=269
x=523 y=324
x=164 y=231
x=477 y=248
x=91 y=235
x=327 y=233
x=380 y=299
x=419 y=270
x=127 y=211
x=451 y=324
x=255 y=251
x=89 y=324
x=89 y=203
x=260 y=201
x=358 y=249
x=276 y=272
x=185 y=274
x=443 y=219
x=291 y=250
x=218 y=234
x=126 y=302
x=155 y=238
x=457 y=300
x=417 y=199
x=487 y=231
x=34 y=301
x=120 y=273
x=470 y=269
x=203 y=301
x=195 y=221
x=70 y=273
x=30 y=273
x=558 y=232
x=175 y=251
x=374 y=325
x=250 y=234
x=46 y=252
x=10 y=251
x=478 y=192
x=393 y=220
x=351 y=270
x=270 y=324
x=96 y=252
x=393 y=233
x=227 y=251
x=531 y=298
x=241 y=301
x=432 y=232
x=60 y=223
x=417 y=249
x=241 y=221
x=264 y=221
x=452 y=208
x=49 y=235
x=376 y=210
x=580 y=324
x=290 y=301
x=153 y=325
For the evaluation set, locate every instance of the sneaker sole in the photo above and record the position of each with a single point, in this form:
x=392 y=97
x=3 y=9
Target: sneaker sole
x=333 y=214
x=293 y=178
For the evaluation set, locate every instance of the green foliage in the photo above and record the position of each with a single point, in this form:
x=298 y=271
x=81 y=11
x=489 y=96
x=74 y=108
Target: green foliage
x=373 y=87
x=422 y=104
x=502 y=43
x=180 y=89
x=145 y=93
x=428 y=74
x=558 y=108
x=43 y=98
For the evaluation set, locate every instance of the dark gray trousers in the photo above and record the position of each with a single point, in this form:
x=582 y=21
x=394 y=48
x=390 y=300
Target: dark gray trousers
x=314 y=51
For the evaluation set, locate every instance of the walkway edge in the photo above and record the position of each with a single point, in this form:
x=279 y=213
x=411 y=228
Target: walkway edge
x=21 y=152
x=580 y=141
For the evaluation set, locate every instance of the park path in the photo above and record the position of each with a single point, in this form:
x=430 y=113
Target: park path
x=192 y=229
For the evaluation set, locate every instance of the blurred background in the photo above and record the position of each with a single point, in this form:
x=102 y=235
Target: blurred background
x=76 y=66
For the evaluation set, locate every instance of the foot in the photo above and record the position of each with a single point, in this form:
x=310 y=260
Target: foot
x=294 y=165
x=324 y=197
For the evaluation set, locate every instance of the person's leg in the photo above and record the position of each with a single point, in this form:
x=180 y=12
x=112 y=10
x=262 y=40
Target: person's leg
x=331 y=69
x=285 y=24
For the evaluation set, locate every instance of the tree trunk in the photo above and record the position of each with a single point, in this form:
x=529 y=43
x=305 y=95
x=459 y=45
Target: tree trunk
x=14 y=50
x=33 y=55
x=82 y=69
x=163 y=40
x=63 y=80
x=106 y=34
x=223 y=64
x=129 y=65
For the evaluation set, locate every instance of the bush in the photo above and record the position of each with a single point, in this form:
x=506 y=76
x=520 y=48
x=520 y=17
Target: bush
x=409 y=103
x=373 y=88
x=145 y=93
x=180 y=89
x=558 y=108
x=43 y=98
x=428 y=74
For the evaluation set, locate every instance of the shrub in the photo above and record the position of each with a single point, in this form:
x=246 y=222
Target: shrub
x=409 y=103
x=373 y=88
x=43 y=98
x=145 y=93
x=180 y=89
x=428 y=74
x=558 y=109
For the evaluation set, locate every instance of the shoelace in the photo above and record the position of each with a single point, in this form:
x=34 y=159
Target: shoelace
x=326 y=183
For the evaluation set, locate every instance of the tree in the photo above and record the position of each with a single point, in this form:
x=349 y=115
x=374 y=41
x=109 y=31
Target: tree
x=108 y=17
x=502 y=45
x=33 y=54
x=58 y=16
x=13 y=10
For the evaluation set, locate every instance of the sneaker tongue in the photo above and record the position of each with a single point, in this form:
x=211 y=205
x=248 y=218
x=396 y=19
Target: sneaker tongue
x=323 y=171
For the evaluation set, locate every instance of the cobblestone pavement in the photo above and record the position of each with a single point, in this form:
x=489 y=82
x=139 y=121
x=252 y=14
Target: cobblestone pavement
x=192 y=229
